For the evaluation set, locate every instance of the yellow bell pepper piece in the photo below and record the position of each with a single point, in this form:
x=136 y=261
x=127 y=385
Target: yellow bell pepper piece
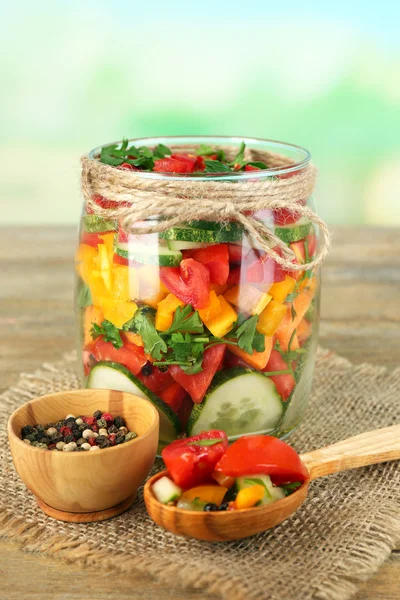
x=120 y=283
x=117 y=312
x=212 y=310
x=105 y=266
x=108 y=239
x=279 y=291
x=271 y=317
x=134 y=338
x=165 y=312
x=86 y=259
x=222 y=323
x=205 y=493
x=248 y=298
x=97 y=287
x=250 y=496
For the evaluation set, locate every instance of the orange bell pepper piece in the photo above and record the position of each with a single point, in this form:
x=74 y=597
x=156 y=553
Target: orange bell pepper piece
x=249 y=497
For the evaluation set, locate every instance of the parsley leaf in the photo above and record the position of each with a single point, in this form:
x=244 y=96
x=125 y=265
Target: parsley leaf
x=143 y=323
x=239 y=158
x=289 y=488
x=216 y=166
x=209 y=442
x=84 y=297
x=204 y=150
x=184 y=321
x=248 y=337
x=108 y=331
x=258 y=163
x=161 y=151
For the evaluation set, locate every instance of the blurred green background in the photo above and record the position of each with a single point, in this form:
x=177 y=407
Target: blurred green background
x=78 y=74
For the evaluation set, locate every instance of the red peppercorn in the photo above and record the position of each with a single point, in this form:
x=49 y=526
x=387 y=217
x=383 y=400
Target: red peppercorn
x=64 y=431
x=95 y=428
x=51 y=446
x=91 y=441
x=112 y=437
x=107 y=417
x=90 y=421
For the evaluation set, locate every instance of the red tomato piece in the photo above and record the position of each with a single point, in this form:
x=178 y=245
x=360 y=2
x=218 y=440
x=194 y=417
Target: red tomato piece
x=190 y=160
x=231 y=361
x=88 y=359
x=251 y=168
x=189 y=462
x=264 y=270
x=91 y=239
x=171 y=165
x=190 y=282
x=196 y=385
x=235 y=252
x=263 y=454
x=284 y=383
x=234 y=276
x=185 y=410
x=130 y=355
x=216 y=259
x=173 y=395
x=157 y=380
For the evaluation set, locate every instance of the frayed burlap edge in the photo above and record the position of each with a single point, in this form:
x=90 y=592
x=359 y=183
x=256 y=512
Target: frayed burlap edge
x=381 y=539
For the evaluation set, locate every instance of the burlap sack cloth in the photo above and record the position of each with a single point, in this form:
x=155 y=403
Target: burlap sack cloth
x=341 y=535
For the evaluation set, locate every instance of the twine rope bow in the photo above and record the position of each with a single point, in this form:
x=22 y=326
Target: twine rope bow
x=153 y=205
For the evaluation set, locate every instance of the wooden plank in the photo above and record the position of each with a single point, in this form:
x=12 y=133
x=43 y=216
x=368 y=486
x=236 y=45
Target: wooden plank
x=360 y=320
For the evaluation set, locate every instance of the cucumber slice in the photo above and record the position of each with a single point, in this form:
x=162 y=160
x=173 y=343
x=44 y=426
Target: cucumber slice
x=113 y=376
x=174 y=245
x=238 y=401
x=165 y=490
x=294 y=232
x=218 y=226
x=96 y=224
x=152 y=255
x=192 y=234
x=272 y=493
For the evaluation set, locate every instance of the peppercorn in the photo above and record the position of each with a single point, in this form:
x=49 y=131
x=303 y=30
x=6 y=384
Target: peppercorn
x=95 y=448
x=27 y=441
x=100 y=439
x=86 y=446
x=104 y=444
x=119 y=422
x=79 y=421
x=69 y=438
x=31 y=437
x=123 y=430
x=52 y=447
x=59 y=424
x=112 y=439
x=97 y=414
x=102 y=423
x=69 y=417
x=80 y=441
x=44 y=440
x=103 y=432
x=88 y=433
x=130 y=436
x=210 y=507
x=27 y=430
x=40 y=428
x=147 y=369
x=108 y=417
x=112 y=429
x=119 y=438
x=90 y=421
x=70 y=447
x=91 y=441
x=76 y=432
x=70 y=422
x=224 y=506
x=163 y=369
x=60 y=445
x=65 y=431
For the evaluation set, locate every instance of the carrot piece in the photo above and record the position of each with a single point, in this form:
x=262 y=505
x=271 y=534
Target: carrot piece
x=257 y=360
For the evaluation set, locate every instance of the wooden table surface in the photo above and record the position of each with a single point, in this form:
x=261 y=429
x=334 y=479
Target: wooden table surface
x=360 y=320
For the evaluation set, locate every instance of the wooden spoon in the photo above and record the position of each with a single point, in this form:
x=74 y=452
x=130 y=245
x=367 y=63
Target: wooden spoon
x=381 y=445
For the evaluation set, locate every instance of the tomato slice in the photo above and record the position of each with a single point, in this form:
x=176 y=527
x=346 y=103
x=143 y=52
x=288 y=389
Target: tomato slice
x=173 y=395
x=234 y=276
x=196 y=385
x=185 y=411
x=157 y=380
x=130 y=355
x=263 y=454
x=92 y=239
x=190 y=160
x=171 y=165
x=190 y=282
x=284 y=383
x=216 y=259
x=191 y=461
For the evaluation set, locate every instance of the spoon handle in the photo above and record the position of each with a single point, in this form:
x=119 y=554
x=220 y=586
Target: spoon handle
x=368 y=448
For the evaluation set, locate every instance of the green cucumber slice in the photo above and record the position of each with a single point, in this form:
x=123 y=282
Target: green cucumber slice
x=96 y=224
x=175 y=245
x=272 y=493
x=152 y=255
x=165 y=490
x=238 y=401
x=294 y=232
x=192 y=234
x=113 y=376
x=218 y=226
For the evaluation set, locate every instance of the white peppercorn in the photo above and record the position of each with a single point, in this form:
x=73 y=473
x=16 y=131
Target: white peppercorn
x=51 y=431
x=60 y=445
x=94 y=448
x=79 y=421
x=70 y=447
x=70 y=417
x=27 y=441
x=88 y=433
x=103 y=431
x=86 y=446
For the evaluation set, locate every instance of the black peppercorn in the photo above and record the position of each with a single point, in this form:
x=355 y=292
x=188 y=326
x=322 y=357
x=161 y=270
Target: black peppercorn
x=44 y=440
x=69 y=438
x=100 y=439
x=76 y=432
x=163 y=369
x=97 y=414
x=119 y=422
x=59 y=424
x=105 y=443
x=31 y=437
x=112 y=429
x=70 y=423
x=147 y=369
x=27 y=430
x=40 y=428
x=224 y=506
x=120 y=439
x=210 y=507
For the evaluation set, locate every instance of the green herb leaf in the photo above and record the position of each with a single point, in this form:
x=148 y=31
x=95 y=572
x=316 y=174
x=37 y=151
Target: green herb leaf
x=142 y=323
x=248 y=337
x=84 y=297
x=293 y=312
x=161 y=151
x=184 y=321
x=257 y=163
x=209 y=442
x=108 y=331
x=289 y=488
x=216 y=166
x=291 y=297
x=239 y=158
x=204 y=150
x=255 y=481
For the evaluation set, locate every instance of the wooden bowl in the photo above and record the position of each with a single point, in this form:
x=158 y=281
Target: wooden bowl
x=85 y=486
x=220 y=526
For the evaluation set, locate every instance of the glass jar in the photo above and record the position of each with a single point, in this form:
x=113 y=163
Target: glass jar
x=198 y=318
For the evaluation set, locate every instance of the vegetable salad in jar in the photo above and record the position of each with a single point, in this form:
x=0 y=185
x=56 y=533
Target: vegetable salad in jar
x=198 y=318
